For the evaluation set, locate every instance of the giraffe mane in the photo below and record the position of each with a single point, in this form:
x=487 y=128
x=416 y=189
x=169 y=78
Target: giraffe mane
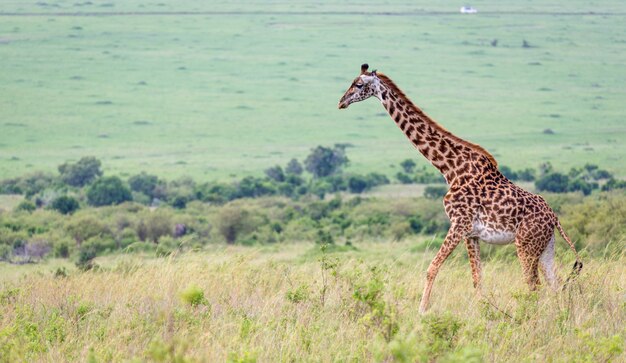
x=479 y=149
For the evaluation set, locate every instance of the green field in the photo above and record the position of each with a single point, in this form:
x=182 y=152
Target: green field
x=218 y=90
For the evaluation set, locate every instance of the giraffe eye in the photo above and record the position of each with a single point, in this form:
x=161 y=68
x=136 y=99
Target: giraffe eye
x=359 y=86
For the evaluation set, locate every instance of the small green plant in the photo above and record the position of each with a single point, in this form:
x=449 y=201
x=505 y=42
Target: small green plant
x=442 y=332
x=299 y=294
x=83 y=309
x=379 y=314
x=193 y=295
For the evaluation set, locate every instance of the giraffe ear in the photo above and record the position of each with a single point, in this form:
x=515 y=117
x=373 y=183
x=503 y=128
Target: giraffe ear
x=364 y=68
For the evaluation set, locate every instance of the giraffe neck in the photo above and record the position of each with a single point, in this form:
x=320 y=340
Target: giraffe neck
x=451 y=155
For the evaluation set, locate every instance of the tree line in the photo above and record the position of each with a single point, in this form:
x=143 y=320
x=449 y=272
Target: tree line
x=321 y=173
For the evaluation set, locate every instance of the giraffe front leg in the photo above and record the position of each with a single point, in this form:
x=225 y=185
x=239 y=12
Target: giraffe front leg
x=473 y=252
x=452 y=240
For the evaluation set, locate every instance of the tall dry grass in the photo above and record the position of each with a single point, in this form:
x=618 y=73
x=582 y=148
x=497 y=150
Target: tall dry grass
x=295 y=303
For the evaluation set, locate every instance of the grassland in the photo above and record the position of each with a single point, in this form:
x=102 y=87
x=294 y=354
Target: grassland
x=289 y=303
x=217 y=90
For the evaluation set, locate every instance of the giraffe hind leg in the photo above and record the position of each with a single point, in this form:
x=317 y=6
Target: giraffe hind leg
x=529 y=262
x=546 y=262
x=473 y=252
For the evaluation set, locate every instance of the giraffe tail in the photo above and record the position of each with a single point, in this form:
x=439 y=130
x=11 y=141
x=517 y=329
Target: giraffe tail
x=578 y=265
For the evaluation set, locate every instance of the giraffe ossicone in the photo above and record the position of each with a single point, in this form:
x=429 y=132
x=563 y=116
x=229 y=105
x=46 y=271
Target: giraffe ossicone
x=481 y=202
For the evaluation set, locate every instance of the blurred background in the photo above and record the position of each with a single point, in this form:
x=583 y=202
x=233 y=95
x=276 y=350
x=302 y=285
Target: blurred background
x=221 y=90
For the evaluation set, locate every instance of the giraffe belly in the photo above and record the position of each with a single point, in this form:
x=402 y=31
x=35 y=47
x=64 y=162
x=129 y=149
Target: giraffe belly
x=491 y=235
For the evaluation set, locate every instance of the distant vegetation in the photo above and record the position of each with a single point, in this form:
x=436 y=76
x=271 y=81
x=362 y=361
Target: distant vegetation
x=83 y=182
x=286 y=205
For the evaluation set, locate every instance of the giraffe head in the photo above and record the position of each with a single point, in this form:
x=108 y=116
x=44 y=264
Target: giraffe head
x=363 y=87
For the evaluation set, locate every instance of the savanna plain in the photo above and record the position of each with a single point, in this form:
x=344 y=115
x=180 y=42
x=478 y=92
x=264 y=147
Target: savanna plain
x=183 y=106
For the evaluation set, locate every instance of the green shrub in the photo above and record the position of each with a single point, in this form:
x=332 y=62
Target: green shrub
x=84 y=227
x=65 y=204
x=144 y=183
x=379 y=314
x=26 y=206
x=166 y=246
x=408 y=165
x=298 y=295
x=442 y=332
x=82 y=172
x=234 y=221
x=357 y=184
x=435 y=192
x=127 y=237
x=108 y=191
x=179 y=202
x=416 y=224
x=404 y=178
x=324 y=161
x=193 y=295
x=157 y=223
x=86 y=254
x=61 y=249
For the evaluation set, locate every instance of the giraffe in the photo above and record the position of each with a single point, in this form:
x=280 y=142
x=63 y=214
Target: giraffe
x=482 y=204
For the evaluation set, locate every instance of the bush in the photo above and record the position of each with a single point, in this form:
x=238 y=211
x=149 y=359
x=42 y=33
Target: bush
x=232 y=222
x=275 y=173
x=144 y=183
x=357 y=184
x=251 y=187
x=179 y=202
x=215 y=193
x=157 y=224
x=552 y=182
x=408 y=165
x=416 y=224
x=166 y=246
x=582 y=186
x=108 y=191
x=61 y=249
x=376 y=179
x=294 y=167
x=65 y=204
x=83 y=172
x=425 y=176
x=527 y=174
x=404 y=178
x=26 y=206
x=508 y=172
x=86 y=254
x=613 y=184
x=84 y=227
x=193 y=295
x=324 y=161
x=435 y=192
x=28 y=185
